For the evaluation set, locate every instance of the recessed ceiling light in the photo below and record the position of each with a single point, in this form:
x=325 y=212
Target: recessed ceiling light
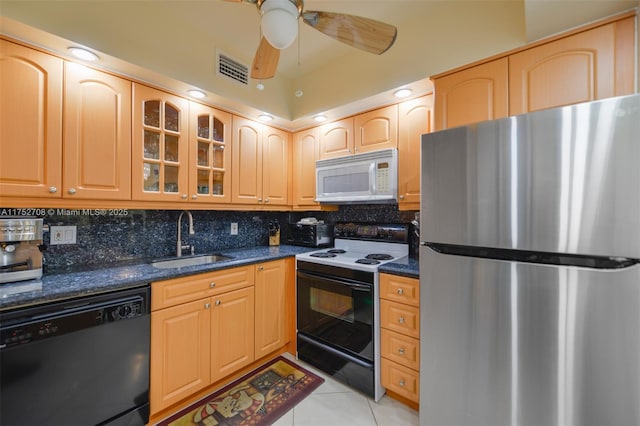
x=198 y=94
x=265 y=117
x=83 y=54
x=320 y=118
x=402 y=93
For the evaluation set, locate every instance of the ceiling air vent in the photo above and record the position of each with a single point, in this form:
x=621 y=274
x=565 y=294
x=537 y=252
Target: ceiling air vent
x=232 y=69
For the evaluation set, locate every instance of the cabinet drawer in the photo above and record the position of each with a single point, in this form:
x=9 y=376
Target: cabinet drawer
x=400 y=348
x=401 y=318
x=400 y=289
x=401 y=380
x=185 y=289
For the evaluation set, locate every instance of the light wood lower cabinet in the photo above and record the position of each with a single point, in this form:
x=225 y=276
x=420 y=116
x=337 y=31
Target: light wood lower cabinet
x=270 y=323
x=206 y=327
x=400 y=335
x=202 y=329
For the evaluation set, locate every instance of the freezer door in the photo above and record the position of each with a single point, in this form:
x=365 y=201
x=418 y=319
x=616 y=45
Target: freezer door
x=560 y=180
x=508 y=343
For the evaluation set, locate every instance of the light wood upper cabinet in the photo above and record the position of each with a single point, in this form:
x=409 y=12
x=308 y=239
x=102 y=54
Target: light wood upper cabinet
x=160 y=145
x=375 y=130
x=260 y=164
x=271 y=321
x=276 y=168
x=415 y=119
x=584 y=67
x=336 y=138
x=97 y=134
x=30 y=123
x=246 y=164
x=472 y=95
x=305 y=154
x=209 y=154
x=592 y=64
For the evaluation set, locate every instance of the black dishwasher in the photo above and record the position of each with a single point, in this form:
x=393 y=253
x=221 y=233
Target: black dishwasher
x=83 y=361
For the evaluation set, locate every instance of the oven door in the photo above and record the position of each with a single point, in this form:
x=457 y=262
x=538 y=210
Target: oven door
x=337 y=312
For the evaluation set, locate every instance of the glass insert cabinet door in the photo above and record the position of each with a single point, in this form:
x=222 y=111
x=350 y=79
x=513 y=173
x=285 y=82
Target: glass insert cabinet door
x=160 y=145
x=210 y=154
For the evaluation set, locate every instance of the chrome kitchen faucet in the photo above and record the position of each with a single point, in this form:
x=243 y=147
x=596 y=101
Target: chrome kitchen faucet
x=179 y=246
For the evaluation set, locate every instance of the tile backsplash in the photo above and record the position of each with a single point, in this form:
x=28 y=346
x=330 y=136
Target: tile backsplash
x=141 y=234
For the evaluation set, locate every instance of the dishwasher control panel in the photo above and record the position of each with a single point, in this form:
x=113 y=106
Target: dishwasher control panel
x=38 y=323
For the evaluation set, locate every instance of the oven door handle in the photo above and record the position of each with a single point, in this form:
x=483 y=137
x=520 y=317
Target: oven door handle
x=353 y=286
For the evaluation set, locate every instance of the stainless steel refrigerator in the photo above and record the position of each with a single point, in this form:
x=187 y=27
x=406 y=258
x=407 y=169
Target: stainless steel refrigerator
x=529 y=269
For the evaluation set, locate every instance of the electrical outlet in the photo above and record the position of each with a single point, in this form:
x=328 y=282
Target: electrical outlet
x=234 y=228
x=62 y=235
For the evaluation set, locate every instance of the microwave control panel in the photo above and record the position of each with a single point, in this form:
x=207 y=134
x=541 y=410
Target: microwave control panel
x=383 y=177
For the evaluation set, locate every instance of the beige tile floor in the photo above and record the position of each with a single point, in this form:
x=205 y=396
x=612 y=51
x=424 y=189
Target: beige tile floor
x=334 y=404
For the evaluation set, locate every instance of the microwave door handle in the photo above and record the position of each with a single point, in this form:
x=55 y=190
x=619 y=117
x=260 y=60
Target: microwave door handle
x=372 y=178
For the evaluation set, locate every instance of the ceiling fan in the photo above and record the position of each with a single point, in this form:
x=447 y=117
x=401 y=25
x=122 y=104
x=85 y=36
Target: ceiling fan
x=279 y=25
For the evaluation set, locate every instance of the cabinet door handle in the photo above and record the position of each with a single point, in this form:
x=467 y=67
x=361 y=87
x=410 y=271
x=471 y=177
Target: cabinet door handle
x=212 y=285
x=266 y=201
x=259 y=200
x=183 y=196
x=71 y=191
x=402 y=197
x=53 y=189
x=401 y=384
x=207 y=305
x=401 y=320
x=217 y=302
x=400 y=291
x=194 y=197
x=401 y=351
x=260 y=268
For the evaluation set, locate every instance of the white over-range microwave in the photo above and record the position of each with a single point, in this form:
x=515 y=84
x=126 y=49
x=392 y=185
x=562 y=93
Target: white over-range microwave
x=371 y=177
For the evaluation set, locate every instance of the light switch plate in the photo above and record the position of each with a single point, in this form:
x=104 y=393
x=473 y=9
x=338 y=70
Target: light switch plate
x=62 y=235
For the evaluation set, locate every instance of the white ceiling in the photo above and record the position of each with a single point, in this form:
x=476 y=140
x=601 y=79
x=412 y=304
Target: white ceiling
x=172 y=43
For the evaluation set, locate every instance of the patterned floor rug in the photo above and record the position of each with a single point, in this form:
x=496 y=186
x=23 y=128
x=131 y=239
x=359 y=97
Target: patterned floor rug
x=259 y=398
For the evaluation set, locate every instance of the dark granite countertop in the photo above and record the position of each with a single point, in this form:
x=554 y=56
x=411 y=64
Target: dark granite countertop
x=116 y=277
x=408 y=267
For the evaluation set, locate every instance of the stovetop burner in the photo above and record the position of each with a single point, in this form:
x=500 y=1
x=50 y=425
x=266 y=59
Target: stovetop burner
x=379 y=256
x=367 y=261
x=323 y=254
x=362 y=247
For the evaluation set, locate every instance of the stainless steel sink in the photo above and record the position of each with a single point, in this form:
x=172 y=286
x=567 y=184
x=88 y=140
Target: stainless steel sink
x=180 y=262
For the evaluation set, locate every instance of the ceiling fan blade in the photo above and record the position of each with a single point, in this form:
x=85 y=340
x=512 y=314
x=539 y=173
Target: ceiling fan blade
x=265 y=63
x=362 y=33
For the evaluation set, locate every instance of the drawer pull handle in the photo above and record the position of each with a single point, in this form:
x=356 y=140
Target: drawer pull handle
x=260 y=268
x=400 y=291
x=207 y=305
x=401 y=351
x=401 y=320
x=72 y=191
x=217 y=302
x=53 y=189
x=401 y=383
x=212 y=285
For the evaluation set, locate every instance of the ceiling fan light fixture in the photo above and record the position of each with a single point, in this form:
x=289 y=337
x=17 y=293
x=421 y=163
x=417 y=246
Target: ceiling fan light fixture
x=279 y=22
